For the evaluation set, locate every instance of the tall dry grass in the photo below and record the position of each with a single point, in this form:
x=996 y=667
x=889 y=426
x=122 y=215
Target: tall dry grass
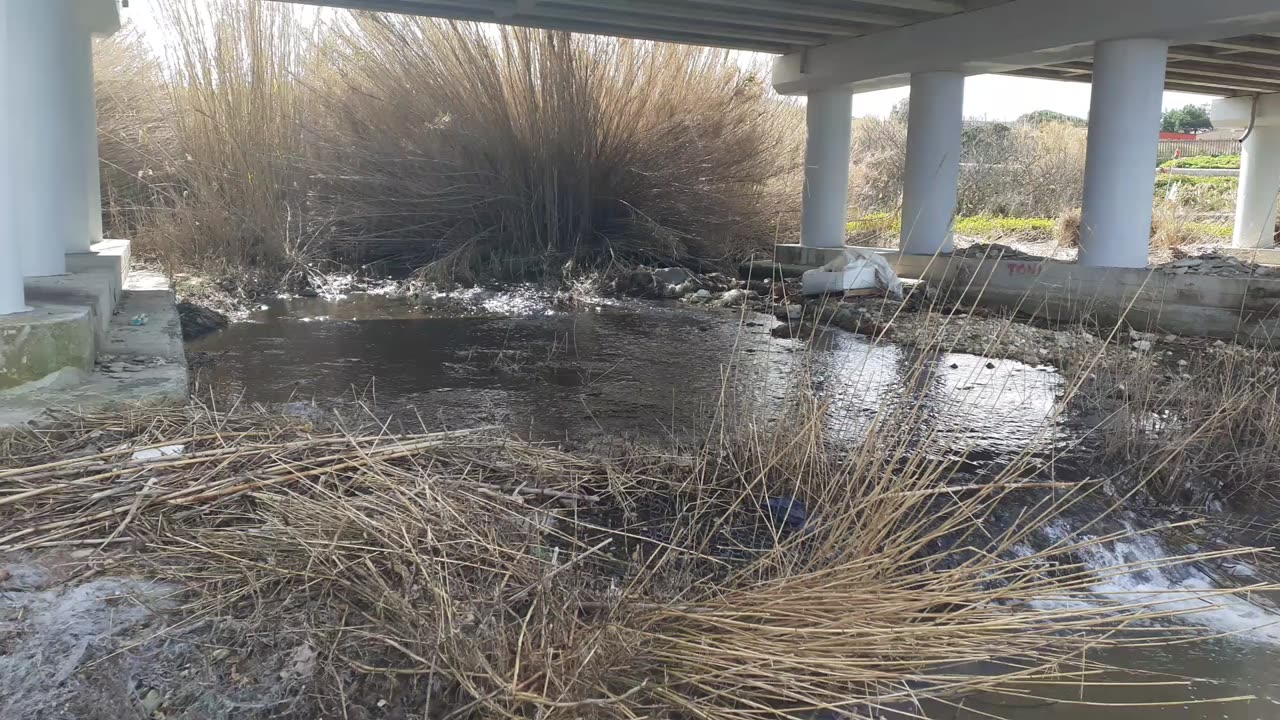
x=492 y=152
x=480 y=576
x=519 y=150
x=1008 y=170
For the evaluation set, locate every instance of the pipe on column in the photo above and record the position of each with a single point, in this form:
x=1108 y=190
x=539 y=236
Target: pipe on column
x=1259 y=188
x=1124 y=122
x=829 y=118
x=11 y=290
x=935 y=121
x=43 y=56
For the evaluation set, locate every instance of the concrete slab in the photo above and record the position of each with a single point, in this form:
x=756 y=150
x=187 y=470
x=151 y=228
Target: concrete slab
x=1244 y=309
x=140 y=364
x=44 y=340
x=796 y=254
x=110 y=255
x=96 y=290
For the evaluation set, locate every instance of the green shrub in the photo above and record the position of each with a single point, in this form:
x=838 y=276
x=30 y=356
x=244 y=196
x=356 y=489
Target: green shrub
x=1205 y=162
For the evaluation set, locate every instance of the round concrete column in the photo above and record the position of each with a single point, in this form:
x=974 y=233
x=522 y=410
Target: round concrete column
x=829 y=117
x=43 y=55
x=1119 y=178
x=87 y=112
x=934 y=125
x=11 y=292
x=1259 y=188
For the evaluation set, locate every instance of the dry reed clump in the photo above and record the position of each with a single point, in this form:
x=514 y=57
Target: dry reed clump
x=518 y=151
x=481 y=576
x=1008 y=171
x=1204 y=436
x=1066 y=230
x=271 y=141
x=135 y=134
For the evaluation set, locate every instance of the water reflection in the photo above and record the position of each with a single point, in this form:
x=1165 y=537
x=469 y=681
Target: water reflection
x=631 y=368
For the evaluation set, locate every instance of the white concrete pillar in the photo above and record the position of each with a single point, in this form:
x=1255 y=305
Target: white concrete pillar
x=43 y=56
x=934 y=125
x=1259 y=188
x=829 y=117
x=1119 y=179
x=11 y=292
x=86 y=98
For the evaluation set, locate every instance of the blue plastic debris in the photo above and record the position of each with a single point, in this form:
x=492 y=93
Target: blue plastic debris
x=788 y=512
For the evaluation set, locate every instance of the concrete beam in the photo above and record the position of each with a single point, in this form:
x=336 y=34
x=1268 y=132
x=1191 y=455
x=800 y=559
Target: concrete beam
x=1014 y=35
x=101 y=17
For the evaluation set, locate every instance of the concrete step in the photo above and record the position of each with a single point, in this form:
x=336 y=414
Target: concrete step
x=138 y=364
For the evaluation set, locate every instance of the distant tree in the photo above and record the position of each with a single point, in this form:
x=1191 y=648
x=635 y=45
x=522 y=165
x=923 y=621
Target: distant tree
x=1188 y=119
x=1044 y=117
x=900 y=110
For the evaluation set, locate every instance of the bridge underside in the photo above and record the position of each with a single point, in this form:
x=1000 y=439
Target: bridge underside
x=828 y=50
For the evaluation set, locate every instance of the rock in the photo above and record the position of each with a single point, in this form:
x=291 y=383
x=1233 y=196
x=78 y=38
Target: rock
x=1141 y=336
x=672 y=276
x=787 y=512
x=795 y=312
x=115 y=368
x=1188 y=263
x=636 y=282
x=1182 y=363
x=4 y=575
x=991 y=365
x=793 y=330
x=198 y=320
x=1219 y=344
x=955 y=366
x=152 y=701
x=308 y=292
x=1142 y=345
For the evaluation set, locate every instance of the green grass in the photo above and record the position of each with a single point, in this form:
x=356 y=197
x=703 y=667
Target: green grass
x=1211 y=230
x=1206 y=162
x=977 y=225
x=1164 y=181
x=993 y=226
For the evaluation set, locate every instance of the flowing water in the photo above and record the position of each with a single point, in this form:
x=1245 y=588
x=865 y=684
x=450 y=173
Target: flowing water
x=656 y=371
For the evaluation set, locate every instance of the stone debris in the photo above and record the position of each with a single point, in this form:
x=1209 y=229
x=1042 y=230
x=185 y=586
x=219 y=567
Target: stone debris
x=993 y=251
x=1217 y=264
x=117 y=365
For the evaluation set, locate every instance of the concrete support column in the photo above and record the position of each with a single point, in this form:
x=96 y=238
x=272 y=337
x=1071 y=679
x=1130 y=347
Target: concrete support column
x=43 y=57
x=934 y=125
x=85 y=97
x=1124 y=123
x=829 y=117
x=11 y=292
x=1259 y=188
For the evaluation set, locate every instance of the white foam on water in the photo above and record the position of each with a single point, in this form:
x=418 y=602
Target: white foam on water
x=1138 y=569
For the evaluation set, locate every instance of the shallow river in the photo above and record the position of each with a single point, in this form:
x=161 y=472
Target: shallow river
x=654 y=371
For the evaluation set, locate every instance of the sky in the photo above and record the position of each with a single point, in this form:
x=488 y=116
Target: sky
x=986 y=97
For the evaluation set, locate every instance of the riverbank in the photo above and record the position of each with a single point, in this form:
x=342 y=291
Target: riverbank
x=267 y=565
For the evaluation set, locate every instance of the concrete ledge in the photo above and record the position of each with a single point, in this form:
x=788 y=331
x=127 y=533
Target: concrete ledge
x=98 y=291
x=141 y=364
x=109 y=255
x=1244 y=309
x=796 y=254
x=1231 y=308
x=45 y=340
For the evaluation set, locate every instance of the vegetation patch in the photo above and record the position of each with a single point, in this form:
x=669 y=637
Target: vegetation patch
x=1205 y=162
